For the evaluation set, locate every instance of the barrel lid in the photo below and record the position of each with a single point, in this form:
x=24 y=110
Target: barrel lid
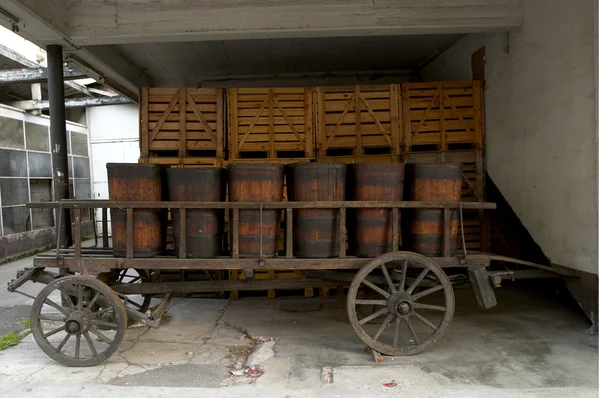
x=255 y=166
x=194 y=170
x=137 y=165
x=324 y=165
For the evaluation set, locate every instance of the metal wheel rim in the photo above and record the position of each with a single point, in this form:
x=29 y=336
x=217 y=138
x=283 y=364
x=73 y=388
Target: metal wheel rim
x=119 y=321
x=406 y=349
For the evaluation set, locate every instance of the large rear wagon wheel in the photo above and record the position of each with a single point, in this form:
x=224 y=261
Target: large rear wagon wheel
x=413 y=296
x=85 y=331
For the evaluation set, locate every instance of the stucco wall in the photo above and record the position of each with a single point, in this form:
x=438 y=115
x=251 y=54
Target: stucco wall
x=114 y=138
x=541 y=122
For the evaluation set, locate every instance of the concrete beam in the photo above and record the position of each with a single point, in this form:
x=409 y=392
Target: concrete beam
x=93 y=22
x=46 y=22
x=33 y=75
x=72 y=103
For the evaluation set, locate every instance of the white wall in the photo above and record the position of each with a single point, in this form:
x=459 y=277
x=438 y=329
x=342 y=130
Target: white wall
x=114 y=138
x=541 y=122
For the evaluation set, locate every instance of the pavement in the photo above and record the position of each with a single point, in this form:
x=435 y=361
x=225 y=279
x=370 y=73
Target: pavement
x=533 y=344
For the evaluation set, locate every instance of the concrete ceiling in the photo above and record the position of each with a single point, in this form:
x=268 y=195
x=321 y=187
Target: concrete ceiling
x=197 y=63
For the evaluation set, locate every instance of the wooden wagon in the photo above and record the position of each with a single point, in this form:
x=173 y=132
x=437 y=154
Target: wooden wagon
x=399 y=303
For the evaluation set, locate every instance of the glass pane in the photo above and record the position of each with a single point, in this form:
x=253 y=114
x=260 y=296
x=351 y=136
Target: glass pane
x=41 y=191
x=69 y=142
x=83 y=189
x=15 y=220
x=14 y=191
x=79 y=144
x=40 y=165
x=11 y=133
x=81 y=166
x=37 y=137
x=13 y=163
x=70 y=159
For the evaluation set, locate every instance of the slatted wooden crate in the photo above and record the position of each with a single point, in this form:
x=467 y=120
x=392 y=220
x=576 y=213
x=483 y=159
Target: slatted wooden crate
x=268 y=275
x=270 y=123
x=473 y=175
x=182 y=122
x=358 y=120
x=442 y=115
x=360 y=159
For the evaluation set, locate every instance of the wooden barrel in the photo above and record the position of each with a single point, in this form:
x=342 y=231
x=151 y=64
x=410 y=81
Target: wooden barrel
x=136 y=182
x=249 y=182
x=425 y=227
x=203 y=226
x=376 y=182
x=316 y=231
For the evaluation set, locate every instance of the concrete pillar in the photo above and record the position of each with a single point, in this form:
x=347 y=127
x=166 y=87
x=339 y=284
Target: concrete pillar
x=58 y=140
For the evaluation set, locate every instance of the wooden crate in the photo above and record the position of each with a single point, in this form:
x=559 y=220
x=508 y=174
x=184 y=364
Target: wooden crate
x=473 y=174
x=358 y=120
x=270 y=123
x=442 y=115
x=182 y=121
x=268 y=274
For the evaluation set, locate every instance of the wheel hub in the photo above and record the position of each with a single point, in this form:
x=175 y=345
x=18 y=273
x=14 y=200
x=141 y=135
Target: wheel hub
x=400 y=304
x=77 y=323
x=403 y=308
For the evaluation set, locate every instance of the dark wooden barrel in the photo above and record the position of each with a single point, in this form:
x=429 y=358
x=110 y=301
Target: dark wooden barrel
x=425 y=227
x=249 y=182
x=316 y=230
x=376 y=182
x=136 y=182
x=203 y=226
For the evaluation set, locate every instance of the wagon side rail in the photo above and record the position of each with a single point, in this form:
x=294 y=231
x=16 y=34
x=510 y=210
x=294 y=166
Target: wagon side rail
x=342 y=206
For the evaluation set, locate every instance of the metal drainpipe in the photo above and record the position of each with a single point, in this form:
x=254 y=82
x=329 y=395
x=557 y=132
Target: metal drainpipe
x=58 y=140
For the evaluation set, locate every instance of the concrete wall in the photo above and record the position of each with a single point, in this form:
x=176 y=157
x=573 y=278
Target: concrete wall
x=541 y=122
x=114 y=138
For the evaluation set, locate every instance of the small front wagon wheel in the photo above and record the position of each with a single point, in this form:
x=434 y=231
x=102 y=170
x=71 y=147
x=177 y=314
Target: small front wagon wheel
x=85 y=331
x=413 y=296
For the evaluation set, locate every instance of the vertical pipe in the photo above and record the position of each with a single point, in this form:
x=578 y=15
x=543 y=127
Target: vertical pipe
x=58 y=140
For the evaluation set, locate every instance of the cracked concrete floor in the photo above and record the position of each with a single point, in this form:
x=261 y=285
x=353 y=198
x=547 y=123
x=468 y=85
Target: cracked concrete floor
x=530 y=345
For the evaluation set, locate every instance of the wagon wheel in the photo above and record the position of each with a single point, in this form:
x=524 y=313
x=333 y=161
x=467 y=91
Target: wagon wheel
x=416 y=311
x=139 y=302
x=70 y=334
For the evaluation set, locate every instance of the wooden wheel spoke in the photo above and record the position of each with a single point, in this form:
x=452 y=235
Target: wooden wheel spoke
x=52 y=317
x=371 y=302
x=79 y=297
x=412 y=331
x=93 y=300
x=104 y=324
x=100 y=335
x=77 y=345
x=424 y=320
x=429 y=307
x=403 y=275
x=424 y=293
x=387 y=277
x=416 y=282
x=373 y=316
x=63 y=342
x=396 y=331
x=384 y=325
x=67 y=298
x=58 y=307
x=53 y=332
x=376 y=288
x=90 y=343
